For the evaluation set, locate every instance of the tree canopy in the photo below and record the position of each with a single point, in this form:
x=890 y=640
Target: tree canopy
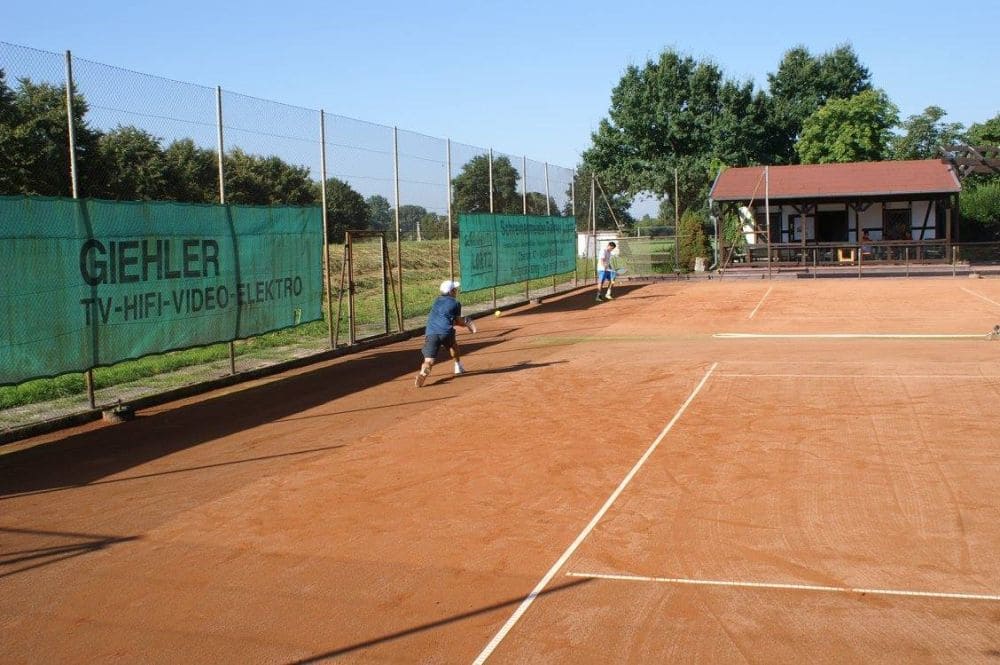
x=849 y=130
x=471 y=187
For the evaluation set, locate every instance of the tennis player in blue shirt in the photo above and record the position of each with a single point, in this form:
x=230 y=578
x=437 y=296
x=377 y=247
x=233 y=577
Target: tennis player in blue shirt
x=445 y=314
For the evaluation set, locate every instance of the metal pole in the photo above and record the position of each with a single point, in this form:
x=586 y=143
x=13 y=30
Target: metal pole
x=451 y=245
x=593 y=219
x=548 y=213
x=353 y=336
x=399 y=246
x=677 y=226
x=815 y=255
x=524 y=209
x=906 y=260
x=494 y=222
x=572 y=208
x=326 y=230
x=767 y=217
x=524 y=184
x=385 y=280
x=222 y=194
x=88 y=376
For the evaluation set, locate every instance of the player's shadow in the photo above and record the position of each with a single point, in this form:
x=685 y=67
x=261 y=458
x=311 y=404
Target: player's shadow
x=89 y=456
x=519 y=367
x=586 y=298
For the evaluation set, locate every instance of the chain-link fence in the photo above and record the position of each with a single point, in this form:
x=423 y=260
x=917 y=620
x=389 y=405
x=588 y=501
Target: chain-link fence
x=140 y=137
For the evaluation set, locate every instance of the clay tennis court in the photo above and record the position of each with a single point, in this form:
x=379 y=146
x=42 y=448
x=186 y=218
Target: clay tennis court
x=696 y=472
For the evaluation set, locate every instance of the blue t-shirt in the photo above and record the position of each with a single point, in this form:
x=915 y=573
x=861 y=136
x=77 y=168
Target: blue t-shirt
x=441 y=320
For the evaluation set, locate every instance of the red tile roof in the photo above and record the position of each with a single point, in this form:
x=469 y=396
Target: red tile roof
x=808 y=181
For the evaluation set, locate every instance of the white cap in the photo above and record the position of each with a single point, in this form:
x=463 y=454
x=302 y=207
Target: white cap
x=447 y=286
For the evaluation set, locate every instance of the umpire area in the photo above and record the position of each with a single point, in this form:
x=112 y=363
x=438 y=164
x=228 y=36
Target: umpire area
x=694 y=472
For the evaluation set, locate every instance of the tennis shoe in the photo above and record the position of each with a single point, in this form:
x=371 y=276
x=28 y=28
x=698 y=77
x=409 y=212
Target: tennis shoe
x=608 y=297
x=422 y=376
x=459 y=369
x=599 y=298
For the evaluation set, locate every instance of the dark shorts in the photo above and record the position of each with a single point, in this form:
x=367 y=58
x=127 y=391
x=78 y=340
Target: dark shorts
x=433 y=343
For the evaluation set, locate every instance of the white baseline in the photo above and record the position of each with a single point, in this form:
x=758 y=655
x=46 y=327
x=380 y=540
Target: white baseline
x=792 y=587
x=527 y=602
x=846 y=336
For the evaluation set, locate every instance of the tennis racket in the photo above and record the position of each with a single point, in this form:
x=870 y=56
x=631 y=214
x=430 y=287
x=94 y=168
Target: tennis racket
x=616 y=272
x=470 y=324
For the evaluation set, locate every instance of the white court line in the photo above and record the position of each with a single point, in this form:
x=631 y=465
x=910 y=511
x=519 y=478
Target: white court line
x=527 y=602
x=847 y=336
x=992 y=302
x=859 y=376
x=795 y=587
x=760 y=303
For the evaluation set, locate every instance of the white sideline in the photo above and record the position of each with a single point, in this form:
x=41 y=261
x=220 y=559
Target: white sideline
x=527 y=602
x=794 y=587
x=979 y=295
x=760 y=303
x=846 y=336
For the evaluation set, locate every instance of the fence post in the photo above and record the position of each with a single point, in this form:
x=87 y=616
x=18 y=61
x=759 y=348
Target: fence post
x=524 y=208
x=88 y=376
x=572 y=208
x=494 y=224
x=326 y=232
x=399 y=239
x=222 y=195
x=451 y=247
x=548 y=213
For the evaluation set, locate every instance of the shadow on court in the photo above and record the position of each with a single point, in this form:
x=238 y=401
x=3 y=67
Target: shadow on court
x=21 y=559
x=446 y=376
x=432 y=625
x=83 y=458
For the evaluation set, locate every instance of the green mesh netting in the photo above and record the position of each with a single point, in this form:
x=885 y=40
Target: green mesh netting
x=505 y=249
x=91 y=283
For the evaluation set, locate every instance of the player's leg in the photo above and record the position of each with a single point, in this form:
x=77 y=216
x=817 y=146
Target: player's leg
x=456 y=354
x=432 y=344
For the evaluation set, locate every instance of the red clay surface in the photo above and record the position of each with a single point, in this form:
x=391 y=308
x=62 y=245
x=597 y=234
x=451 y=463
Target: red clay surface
x=339 y=513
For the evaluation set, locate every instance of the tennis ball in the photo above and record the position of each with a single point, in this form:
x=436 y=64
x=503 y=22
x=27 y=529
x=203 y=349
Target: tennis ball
x=497 y=313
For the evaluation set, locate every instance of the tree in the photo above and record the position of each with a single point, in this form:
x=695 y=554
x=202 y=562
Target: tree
x=980 y=211
x=379 y=213
x=132 y=164
x=618 y=203
x=471 y=187
x=986 y=133
x=255 y=180
x=191 y=173
x=677 y=113
x=409 y=218
x=803 y=84
x=34 y=141
x=539 y=204
x=345 y=209
x=924 y=134
x=849 y=130
x=691 y=239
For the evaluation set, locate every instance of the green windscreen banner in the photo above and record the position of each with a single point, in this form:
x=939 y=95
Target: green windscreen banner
x=495 y=250
x=90 y=283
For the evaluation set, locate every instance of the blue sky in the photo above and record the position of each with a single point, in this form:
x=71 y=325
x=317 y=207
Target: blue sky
x=528 y=78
